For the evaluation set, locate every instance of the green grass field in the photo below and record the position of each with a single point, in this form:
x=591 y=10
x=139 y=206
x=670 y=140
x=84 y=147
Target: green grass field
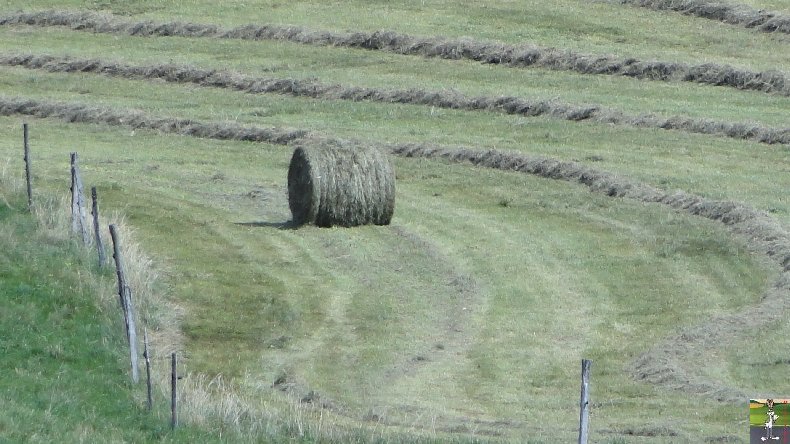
x=468 y=316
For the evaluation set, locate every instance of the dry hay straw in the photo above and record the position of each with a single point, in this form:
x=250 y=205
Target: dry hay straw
x=81 y=113
x=339 y=183
x=442 y=99
x=734 y=14
x=520 y=56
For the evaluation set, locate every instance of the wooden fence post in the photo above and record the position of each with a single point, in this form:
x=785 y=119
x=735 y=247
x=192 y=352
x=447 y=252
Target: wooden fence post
x=132 y=334
x=116 y=248
x=584 y=403
x=96 y=228
x=173 y=387
x=78 y=224
x=125 y=295
x=28 y=179
x=147 y=356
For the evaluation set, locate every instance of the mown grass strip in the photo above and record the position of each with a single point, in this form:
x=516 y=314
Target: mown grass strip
x=665 y=363
x=670 y=364
x=522 y=56
x=440 y=99
x=763 y=232
x=734 y=14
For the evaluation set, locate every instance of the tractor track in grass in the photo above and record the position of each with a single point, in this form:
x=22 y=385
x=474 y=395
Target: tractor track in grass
x=315 y=89
x=730 y=13
x=517 y=56
x=670 y=363
x=456 y=298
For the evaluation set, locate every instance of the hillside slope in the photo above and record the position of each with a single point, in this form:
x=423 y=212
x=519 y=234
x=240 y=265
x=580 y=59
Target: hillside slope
x=545 y=212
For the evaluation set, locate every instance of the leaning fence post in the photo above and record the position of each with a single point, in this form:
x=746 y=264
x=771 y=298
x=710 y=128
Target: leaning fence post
x=78 y=224
x=96 y=229
x=147 y=356
x=27 y=167
x=584 y=403
x=132 y=334
x=116 y=248
x=173 y=386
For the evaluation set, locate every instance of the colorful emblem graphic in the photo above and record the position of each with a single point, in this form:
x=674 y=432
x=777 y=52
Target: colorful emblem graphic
x=769 y=421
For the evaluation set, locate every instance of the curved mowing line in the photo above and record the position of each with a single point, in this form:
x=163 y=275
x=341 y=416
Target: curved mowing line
x=669 y=364
x=522 y=56
x=672 y=362
x=440 y=99
x=734 y=14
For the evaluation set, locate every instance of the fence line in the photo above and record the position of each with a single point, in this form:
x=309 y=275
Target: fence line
x=147 y=357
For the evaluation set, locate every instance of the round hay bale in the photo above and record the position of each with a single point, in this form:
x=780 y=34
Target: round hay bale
x=334 y=183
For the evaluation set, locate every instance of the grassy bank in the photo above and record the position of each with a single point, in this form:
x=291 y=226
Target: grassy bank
x=63 y=351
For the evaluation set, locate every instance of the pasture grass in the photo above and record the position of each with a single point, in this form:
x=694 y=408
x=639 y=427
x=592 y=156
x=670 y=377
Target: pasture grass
x=594 y=27
x=405 y=323
x=466 y=318
x=714 y=167
x=781 y=6
x=384 y=70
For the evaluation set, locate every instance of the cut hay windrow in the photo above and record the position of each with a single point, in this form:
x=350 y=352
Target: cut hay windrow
x=671 y=363
x=439 y=99
x=731 y=13
x=79 y=113
x=339 y=183
x=763 y=233
x=518 y=56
